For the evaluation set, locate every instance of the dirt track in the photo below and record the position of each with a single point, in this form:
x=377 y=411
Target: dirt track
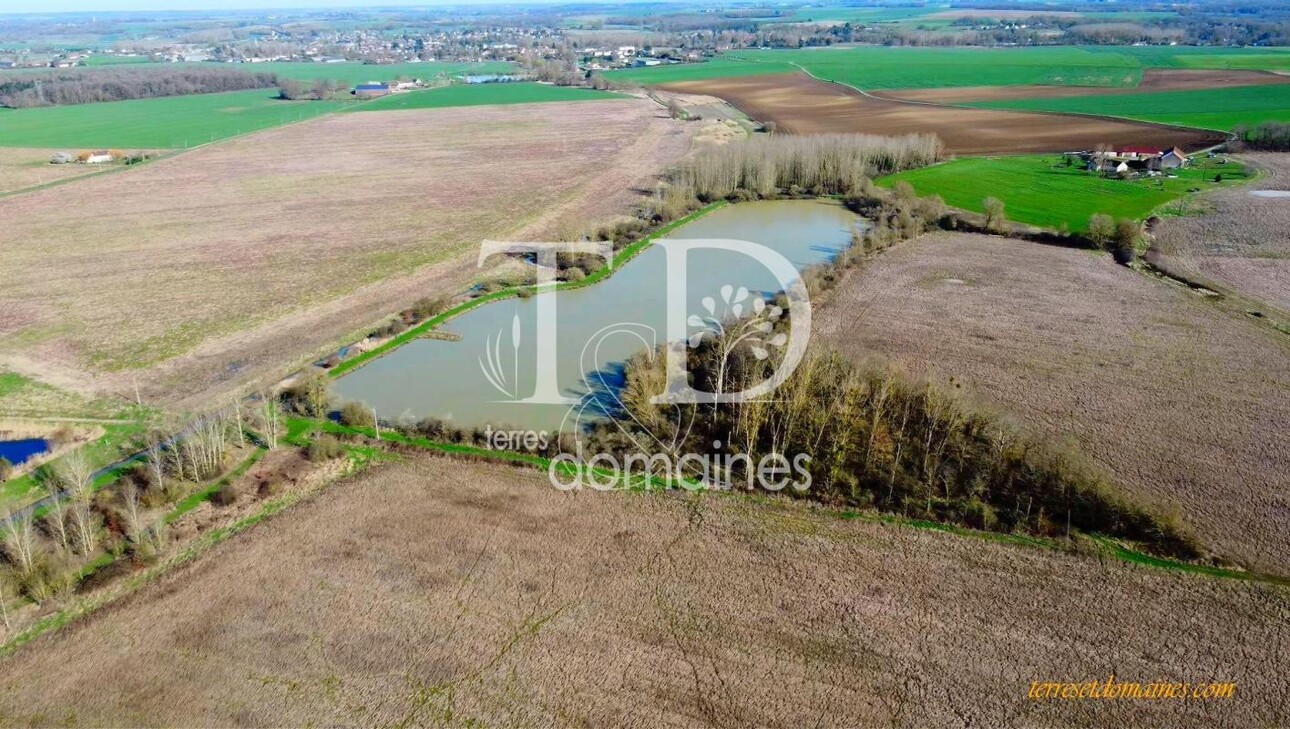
x=799 y=104
x=1153 y=79
x=442 y=593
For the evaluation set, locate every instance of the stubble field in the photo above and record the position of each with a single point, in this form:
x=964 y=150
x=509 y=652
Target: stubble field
x=1242 y=241
x=437 y=592
x=197 y=273
x=1182 y=403
x=799 y=104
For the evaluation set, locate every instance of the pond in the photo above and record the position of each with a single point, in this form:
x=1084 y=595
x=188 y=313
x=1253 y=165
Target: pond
x=476 y=381
x=19 y=451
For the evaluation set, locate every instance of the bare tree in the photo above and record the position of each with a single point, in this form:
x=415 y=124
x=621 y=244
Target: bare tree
x=994 y=217
x=132 y=515
x=20 y=541
x=76 y=476
x=272 y=418
x=155 y=453
x=8 y=588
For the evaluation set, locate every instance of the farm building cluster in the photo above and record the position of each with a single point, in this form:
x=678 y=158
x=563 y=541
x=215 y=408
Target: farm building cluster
x=1134 y=160
x=373 y=89
x=97 y=157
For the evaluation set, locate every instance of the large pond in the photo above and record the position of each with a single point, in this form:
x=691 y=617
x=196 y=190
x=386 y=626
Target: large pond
x=19 y=451
x=476 y=381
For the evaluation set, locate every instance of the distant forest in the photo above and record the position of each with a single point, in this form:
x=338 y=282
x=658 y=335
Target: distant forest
x=64 y=87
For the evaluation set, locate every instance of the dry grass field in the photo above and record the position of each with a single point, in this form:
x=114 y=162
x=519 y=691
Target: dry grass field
x=435 y=592
x=1184 y=404
x=196 y=273
x=1153 y=79
x=799 y=104
x=1242 y=244
x=23 y=168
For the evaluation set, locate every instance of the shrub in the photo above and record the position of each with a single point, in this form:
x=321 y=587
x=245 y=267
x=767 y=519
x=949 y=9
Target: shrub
x=226 y=495
x=994 y=215
x=1101 y=230
x=62 y=435
x=574 y=274
x=273 y=485
x=1124 y=245
x=6 y=470
x=324 y=448
x=310 y=395
x=357 y=415
x=429 y=306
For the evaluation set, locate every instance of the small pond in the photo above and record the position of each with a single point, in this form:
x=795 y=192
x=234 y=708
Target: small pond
x=20 y=451
x=599 y=326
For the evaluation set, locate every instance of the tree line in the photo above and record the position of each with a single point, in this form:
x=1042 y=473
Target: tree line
x=65 y=87
x=1266 y=137
x=878 y=438
x=826 y=164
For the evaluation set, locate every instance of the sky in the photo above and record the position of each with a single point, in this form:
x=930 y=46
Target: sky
x=68 y=6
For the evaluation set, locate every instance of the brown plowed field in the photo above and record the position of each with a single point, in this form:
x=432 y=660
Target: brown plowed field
x=1153 y=79
x=799 y=104
x=441 y=593
x=1184 y=404
x=199 y=273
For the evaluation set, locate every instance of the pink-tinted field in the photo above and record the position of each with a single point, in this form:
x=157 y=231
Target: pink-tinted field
x=229 y=264
x=1185 y=404
x=435 y=592
x=1240 y=242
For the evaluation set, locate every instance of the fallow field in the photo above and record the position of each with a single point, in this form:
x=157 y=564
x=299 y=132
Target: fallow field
x=1183 y=403
x=200 y=272
x=1237 y=240
x=23 y=168
x=799 y=104
x=434 y=592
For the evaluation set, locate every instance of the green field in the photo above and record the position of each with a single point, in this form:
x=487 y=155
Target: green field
x=102 y=60
x=842 y=14
x=483 y=94
x=1211 y=108
x=875 y=67
x=357 y=73
x=723 y=67
x=165 y=123
x=1041 y=190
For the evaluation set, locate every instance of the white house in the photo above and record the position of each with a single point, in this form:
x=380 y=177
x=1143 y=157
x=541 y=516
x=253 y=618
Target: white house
x=1172 y=159
x=98 y=158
